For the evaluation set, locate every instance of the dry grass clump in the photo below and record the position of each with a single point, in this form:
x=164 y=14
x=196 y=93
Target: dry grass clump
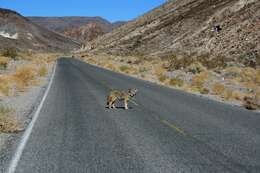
x=5 y=85
x=24 y=75
x=176 y=82
x=218 y=89
x=159 y=70
x=162 y=78
x=198 y=80
x=238 y=95
x=204 y=90
x=42 y=71
x=8 y=124
x=228 y=94
x=91 y=61
x=3 y=62
x=248 y=74
x=110 y=66
x=176 y=63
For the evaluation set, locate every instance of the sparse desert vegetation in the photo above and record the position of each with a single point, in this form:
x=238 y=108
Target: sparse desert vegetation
x=218 y=89
x=17 y=75
x=3 y=62
x=225 y=80
x=8 y=123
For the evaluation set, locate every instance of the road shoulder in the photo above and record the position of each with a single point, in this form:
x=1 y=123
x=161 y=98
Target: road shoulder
x=25 y=105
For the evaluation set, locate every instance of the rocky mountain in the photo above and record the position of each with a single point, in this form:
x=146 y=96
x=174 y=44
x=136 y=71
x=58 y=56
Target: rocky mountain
x=19 y=32
x=83 y=29
x=224 y=28
x=85 y=33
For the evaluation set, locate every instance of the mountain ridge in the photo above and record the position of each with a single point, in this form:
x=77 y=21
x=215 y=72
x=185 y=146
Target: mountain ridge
x=77 y=27
x=19 y=32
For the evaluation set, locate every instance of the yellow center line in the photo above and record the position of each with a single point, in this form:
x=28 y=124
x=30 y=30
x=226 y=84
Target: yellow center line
x=171 y=125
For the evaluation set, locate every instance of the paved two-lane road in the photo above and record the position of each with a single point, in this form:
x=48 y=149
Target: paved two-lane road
x=170 y=131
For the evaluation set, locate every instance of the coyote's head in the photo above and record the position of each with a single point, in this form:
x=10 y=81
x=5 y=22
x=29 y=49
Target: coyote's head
x=132 y=92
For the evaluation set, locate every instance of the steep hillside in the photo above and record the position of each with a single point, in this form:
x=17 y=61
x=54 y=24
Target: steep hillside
x=82 y=29
x=19 y=32
x=226 y=28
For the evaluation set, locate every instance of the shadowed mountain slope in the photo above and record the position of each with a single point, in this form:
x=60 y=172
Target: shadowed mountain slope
x=19 y=32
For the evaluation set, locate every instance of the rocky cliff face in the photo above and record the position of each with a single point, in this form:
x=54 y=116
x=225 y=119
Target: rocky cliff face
x=85 y=33
x=19 y=32
x=226 y=28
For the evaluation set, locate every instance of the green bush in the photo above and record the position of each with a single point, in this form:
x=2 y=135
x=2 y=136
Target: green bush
x=124 y=68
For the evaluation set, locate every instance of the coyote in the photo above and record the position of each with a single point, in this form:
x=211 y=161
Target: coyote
x=115 y=95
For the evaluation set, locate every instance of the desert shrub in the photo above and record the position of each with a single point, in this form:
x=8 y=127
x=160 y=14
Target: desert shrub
x=124 y=68
x=3 y=62
x=142 y=69
x=8 y=124
x=42 y=71
x=162 y=78
x=159 y=70
x=237 y=95
x=110 y=66
x=195 y=68
x=218 y=89
x=250 y=103
x=176 y=82
x=212 y=62
x=228 y=94
x=204 y=90
x=248 y=75
x=199 y=79
x=176 y=63
x=10 y=52
x=24 y=75
x=92 y=61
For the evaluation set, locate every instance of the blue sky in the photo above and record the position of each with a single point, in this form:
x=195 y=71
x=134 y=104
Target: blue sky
x=112 y=10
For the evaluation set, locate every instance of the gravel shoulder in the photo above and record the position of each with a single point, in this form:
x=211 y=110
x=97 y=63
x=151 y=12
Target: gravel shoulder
x=24 y=104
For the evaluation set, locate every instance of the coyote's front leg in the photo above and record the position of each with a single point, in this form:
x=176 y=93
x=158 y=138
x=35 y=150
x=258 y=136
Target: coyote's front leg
x=126 y=106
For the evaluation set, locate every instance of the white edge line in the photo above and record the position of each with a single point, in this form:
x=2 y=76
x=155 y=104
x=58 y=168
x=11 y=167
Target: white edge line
x=16 y=158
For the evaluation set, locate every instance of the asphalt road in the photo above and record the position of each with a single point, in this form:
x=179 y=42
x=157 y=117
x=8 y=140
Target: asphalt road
x=169 y=131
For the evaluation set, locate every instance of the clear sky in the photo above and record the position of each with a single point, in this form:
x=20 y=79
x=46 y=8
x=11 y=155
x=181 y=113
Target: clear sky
x=112 y=10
